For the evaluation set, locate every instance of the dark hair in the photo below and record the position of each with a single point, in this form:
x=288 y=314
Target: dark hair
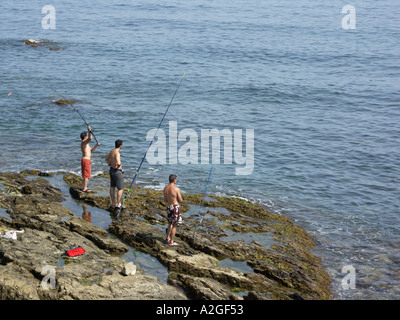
x=118 y=143
x=83 y=135
x=172 y=178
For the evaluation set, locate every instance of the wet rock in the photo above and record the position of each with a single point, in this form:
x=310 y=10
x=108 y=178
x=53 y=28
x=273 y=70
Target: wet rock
x=278 y=254
x=203 y=288
x=203 y=244
x=18 y=184
x=47 y=235
x=63 y=101
x=98 y=235
x=42 y=43
x=30 y=206
x=17 y=283
x=80 y=277
x=46 y=174
x=198 y=264
x=31 y=43
x=90 y=198
x=72 y=180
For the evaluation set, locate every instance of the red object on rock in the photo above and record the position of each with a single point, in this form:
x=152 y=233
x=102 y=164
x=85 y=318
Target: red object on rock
x=75 y=252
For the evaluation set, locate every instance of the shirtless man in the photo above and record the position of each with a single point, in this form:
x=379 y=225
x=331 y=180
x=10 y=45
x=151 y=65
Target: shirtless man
x=172 y=196
x=116 y=179
x=86 y=137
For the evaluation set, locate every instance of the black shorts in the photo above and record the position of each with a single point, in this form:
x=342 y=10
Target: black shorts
x=116 y=179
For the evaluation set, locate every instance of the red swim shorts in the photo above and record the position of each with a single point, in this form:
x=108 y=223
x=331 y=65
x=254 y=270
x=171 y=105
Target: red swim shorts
x=86 y=169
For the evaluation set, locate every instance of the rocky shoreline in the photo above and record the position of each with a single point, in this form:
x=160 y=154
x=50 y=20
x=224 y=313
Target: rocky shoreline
x=240 y=251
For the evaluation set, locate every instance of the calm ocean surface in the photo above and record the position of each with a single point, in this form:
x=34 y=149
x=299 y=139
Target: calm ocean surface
x=323 y=103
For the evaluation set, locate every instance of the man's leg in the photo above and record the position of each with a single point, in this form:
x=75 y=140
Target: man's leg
x=120 y=193
x=120 y=186
x=173 y=231
x=169 y=232
x=84 y=184
x=112 y=195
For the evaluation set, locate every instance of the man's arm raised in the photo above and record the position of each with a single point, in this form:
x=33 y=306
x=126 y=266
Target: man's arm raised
x=95 y=146
x=90 y=137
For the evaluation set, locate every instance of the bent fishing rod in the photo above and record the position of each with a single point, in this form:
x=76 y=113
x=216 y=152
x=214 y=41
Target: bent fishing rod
x=145 y=154
x=200 y=219
x=87 y=124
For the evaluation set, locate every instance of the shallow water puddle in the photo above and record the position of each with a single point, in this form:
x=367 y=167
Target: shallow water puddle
x=240 y=266
x=149 y=264
x=98 y=217
x=4 y=214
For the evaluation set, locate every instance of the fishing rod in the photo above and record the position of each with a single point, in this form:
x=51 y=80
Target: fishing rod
x=201 y=217
x=144 y=157
x=87 y=124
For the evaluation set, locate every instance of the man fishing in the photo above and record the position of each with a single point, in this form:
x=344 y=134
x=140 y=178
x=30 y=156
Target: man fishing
x=116 y=179
x=172 y=196
x=86 y=137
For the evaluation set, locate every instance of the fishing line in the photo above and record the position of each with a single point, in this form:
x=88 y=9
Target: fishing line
x=87 y=124
x=144 y=157
x=200 y=219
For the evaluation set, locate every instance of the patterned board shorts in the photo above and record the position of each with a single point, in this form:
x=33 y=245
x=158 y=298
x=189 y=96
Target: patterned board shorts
x=174 y=215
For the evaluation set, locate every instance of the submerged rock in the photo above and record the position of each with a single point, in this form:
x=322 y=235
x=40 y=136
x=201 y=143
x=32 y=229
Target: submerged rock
x=32 y=43
x=42 y=43
x=64 y=101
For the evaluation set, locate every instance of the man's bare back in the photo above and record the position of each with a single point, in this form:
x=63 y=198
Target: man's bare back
x=114 y=159
x=172 y=194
